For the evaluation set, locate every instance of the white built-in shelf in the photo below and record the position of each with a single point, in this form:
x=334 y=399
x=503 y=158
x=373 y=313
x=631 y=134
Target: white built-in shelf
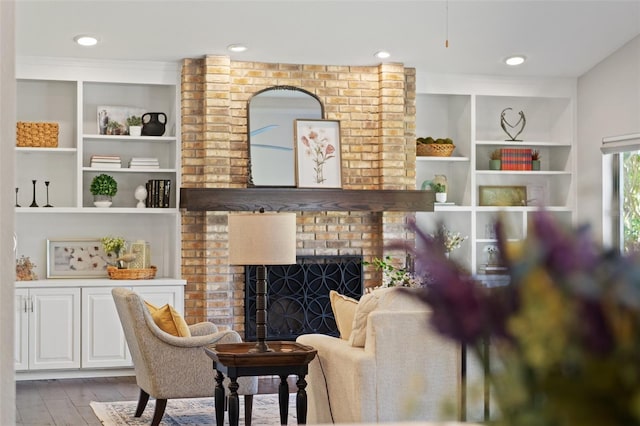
x=94 y=210
x=36 y=150
x=130 y=138
x=126 y=170
x=524 y=143
x=522 y=172
x=440 y=159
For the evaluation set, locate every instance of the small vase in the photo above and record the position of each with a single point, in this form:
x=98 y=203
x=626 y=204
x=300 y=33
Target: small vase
x=494 y=164
x=535 y=165
x=441 y=197
x=102 y=201
x=153 y=123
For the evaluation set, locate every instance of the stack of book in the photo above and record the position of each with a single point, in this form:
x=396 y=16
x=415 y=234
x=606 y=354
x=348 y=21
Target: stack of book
x=106 y=161
x=515 y=158
x=158 y=193
x=144 y=163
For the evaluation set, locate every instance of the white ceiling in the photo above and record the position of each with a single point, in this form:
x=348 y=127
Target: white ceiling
x=559 y=38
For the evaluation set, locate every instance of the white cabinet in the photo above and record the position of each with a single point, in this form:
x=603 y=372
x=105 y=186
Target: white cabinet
x=22 y=307
x=470 y=115
x=103 y=341
x=47 y=328
x=70 y=93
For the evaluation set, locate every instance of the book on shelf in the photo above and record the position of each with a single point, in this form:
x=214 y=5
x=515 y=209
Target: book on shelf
x=106 y=161
x=144 y=163
x=515 y=158
x=158 y=193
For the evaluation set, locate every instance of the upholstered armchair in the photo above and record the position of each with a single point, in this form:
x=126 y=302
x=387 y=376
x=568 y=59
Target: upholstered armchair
x=168 y=366
x=387 y=366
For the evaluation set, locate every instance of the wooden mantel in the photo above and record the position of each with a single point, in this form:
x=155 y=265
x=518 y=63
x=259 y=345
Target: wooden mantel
x=297 y=199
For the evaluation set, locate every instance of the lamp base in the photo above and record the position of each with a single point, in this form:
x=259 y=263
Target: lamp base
x=260 y=347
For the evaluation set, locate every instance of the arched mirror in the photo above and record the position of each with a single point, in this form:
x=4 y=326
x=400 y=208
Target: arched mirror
x=271 y=114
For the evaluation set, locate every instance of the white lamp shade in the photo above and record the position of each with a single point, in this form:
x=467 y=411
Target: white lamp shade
x=262 y=238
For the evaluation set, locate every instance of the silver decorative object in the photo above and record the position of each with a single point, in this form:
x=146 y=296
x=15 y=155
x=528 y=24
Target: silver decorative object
x=504 y=124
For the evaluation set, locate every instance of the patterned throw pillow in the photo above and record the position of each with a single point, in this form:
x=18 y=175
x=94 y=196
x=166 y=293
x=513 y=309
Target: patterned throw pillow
x=344 y=309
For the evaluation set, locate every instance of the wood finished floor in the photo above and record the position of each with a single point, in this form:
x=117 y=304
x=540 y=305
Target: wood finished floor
x=66 y=401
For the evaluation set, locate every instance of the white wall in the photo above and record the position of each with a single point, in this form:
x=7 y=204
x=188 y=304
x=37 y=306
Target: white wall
x=7 y=257
x=608 y=105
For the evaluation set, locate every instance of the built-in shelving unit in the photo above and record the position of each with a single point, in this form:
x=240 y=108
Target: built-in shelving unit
x=469 y=113
x=69 y=327
x=70 y=93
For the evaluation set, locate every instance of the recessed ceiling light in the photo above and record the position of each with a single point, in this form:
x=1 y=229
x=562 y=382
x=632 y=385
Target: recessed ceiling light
x=237 y=48
x=515 y=60
x=382 y=54
x=85 y=40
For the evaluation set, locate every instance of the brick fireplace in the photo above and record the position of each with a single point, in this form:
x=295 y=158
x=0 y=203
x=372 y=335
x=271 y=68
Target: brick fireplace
x=376 y=109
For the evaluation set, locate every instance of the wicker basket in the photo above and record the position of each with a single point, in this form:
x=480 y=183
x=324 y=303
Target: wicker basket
x=43 y=135
x=131 y=274
x=435 y=149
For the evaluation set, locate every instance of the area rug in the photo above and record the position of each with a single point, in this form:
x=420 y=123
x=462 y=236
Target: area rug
x=191 y=412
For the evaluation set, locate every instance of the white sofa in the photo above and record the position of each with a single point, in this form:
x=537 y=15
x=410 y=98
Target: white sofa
x=404 y=372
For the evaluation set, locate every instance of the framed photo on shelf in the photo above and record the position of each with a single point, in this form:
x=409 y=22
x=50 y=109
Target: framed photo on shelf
x=317 y=153
x=112 y=120
x=503 y=196
x=73 y=258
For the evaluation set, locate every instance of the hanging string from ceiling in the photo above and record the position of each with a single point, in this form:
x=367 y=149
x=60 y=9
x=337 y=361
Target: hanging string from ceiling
x=446 y=41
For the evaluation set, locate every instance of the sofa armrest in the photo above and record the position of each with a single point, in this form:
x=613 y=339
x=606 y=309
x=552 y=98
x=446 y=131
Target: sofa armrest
x=341 y=381
x=414 y=358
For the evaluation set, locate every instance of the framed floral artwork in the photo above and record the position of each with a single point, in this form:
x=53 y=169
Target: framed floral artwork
x=318 y=155
x=76 y=259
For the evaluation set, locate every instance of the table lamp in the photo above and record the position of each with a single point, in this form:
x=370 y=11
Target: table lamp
x=262 y=239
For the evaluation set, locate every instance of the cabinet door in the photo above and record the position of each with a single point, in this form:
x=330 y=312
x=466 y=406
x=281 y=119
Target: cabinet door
x=21 y=332
x=54 y=328
x=160 y=295
x=103 y=341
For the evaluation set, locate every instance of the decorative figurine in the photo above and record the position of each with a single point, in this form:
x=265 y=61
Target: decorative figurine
x=141 y=195
x=33 y=203
x=504 y=123
x=46 y=183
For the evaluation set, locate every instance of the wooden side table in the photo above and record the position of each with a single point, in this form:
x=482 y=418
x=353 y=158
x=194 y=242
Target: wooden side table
x=235 y=360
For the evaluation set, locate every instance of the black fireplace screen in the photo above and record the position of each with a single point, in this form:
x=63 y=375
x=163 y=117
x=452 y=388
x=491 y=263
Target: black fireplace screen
x=298 y=295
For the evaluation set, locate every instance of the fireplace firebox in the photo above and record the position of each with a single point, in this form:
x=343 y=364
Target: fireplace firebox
x=298 y=295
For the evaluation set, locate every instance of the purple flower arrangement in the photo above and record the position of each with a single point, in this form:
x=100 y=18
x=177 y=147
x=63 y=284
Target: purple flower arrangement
x=564 y=333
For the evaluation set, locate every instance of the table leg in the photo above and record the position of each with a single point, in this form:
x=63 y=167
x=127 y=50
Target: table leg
x=234 y=402
x=219 y=399
x=301 y=401
x=283 y=400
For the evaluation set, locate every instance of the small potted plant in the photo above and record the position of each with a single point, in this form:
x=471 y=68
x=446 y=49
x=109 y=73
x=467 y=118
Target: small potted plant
x=104 y=188
x=495 y=160
x=535 y=160
x=134 y=123
x=441 y=192
x=114 y=128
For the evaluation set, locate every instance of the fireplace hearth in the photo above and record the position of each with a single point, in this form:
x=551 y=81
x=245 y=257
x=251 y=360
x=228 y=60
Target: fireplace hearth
x=298 y=295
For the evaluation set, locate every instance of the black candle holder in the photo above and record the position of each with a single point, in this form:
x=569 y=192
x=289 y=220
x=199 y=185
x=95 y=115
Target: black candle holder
x=33 y=203
x=17 y=205
x=46 y=183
